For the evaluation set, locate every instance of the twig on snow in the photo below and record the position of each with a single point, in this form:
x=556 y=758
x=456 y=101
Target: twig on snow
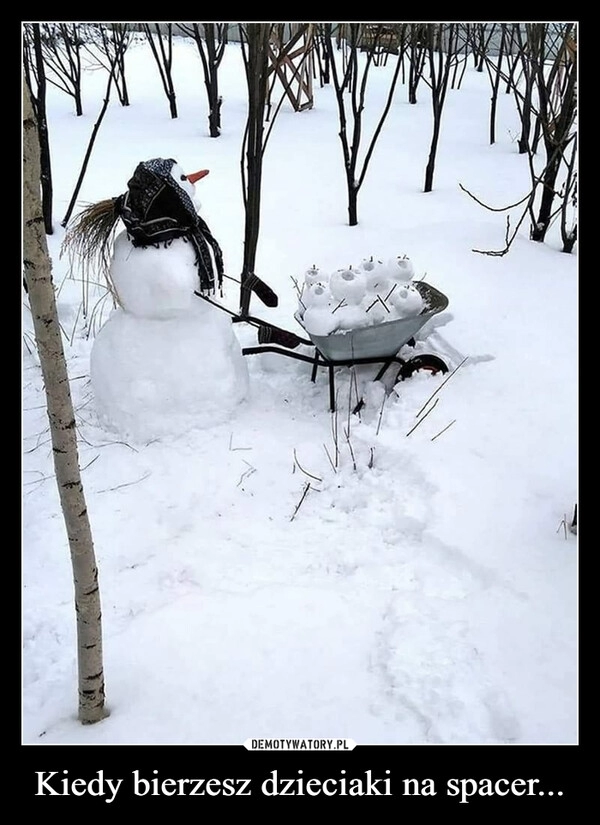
x=347 y=434
x=127 y=484
x=424 y=417
x=246 y=473
x=301 y=468
x=233 y=449
x=444 y=430
x=304 y=494
x=454 y=371
x=333 y=467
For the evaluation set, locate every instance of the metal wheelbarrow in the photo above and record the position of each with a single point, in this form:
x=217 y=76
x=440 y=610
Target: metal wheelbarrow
x=376 y=344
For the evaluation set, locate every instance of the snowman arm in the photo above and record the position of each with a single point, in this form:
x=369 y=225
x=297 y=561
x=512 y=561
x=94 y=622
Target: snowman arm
x=252 y=283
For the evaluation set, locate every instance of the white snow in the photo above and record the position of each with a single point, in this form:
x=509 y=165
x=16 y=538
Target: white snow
x=163 y=376
x=422 y=590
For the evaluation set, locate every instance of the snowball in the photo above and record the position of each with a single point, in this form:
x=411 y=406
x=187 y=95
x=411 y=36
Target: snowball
x=368 y=264
x=156 y=376
x=320 y=321
x=377 y=280
x=314 y=276
x=317 y=295
x=349 y=285
x=406 y=300
x=154 y=282
x=350 y=317
x=400 y=269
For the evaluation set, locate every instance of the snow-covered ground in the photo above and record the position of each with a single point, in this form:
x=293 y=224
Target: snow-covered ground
x=399 y=576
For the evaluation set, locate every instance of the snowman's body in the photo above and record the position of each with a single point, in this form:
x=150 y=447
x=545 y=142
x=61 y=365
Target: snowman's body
x=166 y=360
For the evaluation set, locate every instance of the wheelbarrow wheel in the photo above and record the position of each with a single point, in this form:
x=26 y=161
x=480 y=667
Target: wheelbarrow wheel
x=421 y=363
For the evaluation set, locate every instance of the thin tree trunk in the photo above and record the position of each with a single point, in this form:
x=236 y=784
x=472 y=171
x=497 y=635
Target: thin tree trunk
x=211 y=49
x=42 y=126
x=430 y=168
x=257 y=36
x=496 y=85
x=542 y=222
x=439 y=75
x=212 y=83
x=38 y=273
x=88 y=153
x=164 y=61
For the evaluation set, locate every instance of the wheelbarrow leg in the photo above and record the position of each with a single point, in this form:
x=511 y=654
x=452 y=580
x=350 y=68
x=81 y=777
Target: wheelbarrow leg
x=383 y=369
x=313 y=376
x=331 y=388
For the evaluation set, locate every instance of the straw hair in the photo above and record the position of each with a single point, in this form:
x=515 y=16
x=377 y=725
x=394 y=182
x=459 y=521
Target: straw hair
x=90 y=237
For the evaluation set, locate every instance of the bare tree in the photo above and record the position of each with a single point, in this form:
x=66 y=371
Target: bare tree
x=417 y=39
x=88 y=152
x=461 y=55
x=255 y=45
x=210 y=40
x=556 y=87
x=494 y=69
x=61 y=416
x=546 y=91
x=162 y=51
x=350 y=91
x=35 y=78
x=61 y=46
x=322 y=56
x=568 y=213
x=440 y=47
x=255 y=51
x=111 y=44
x=520 y=80
x=481 y=36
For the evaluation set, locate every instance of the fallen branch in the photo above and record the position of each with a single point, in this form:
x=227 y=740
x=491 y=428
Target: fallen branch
x=347 y=434
x=424 y=417
x=441 y=385
x=89 y=464
x=304 y=494
x=127 y=484
x=444 y=430
x=380 y=414
x=301 y=468
x=333 y=467
x=246 y=473
x=234 y=449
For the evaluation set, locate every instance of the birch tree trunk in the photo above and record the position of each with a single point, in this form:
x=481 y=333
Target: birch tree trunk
x=38 y=275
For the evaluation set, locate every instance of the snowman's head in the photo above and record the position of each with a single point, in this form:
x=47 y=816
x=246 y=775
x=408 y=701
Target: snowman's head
x=188 y=182
x=159 y=202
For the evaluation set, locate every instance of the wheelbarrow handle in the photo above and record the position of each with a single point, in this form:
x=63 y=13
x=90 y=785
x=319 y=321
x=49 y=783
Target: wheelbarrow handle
x=267 y=333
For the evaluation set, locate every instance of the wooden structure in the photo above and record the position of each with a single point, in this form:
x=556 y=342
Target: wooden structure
x=381 y=40
x=292 y=63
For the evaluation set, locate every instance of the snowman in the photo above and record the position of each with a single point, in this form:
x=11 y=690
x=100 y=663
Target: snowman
x=165 y=360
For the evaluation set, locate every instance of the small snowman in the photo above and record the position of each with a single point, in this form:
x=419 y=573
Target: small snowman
x=406 y=300
x=348 y=285
x=319 y=317
x=314 y=276
x=165 y=360
x=400 y=269
x=377 y=279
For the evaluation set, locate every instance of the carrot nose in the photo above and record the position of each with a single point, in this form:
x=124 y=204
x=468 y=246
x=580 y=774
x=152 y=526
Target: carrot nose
x=196 y=176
